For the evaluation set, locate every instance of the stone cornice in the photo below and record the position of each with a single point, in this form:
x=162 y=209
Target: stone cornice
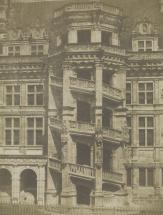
x=32 y=161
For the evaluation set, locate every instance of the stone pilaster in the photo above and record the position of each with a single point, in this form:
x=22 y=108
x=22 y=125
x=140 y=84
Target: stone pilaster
x=98 y=138
x=68 y=196
x=41 y=186
x=15 y=185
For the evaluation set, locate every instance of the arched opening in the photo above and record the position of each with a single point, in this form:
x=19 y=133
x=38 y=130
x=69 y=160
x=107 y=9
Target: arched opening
x=5 y=185
x=28 y=186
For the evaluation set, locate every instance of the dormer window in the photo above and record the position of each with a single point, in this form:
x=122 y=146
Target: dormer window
x=145 y=46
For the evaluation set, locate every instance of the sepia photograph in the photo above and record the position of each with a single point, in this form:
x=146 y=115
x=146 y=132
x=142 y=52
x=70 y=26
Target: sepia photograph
x=81 y=107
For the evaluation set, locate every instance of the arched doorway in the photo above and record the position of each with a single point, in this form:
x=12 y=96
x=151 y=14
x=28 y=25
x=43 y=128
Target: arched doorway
x=28 y=187
x=5 y=185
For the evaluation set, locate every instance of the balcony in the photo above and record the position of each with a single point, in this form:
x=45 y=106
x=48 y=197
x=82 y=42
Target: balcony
x=56 y=123
x=94 y=48
x=54 y=164
x=56 y=81
x=82 y=128
x=88 y=6
x=114 y=135
x=113 y=177
x=81 y=171
x=81 y=85
x=112 y=93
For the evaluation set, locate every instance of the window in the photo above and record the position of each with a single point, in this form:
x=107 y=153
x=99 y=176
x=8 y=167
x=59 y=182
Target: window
x=145 y=45
x=84 y=36
x=128 y=94
x=13 y=95
x=146 y=131
x=35 y=95
x=146 y=177
x=129 y=177
x=129 y=129
x=12 y=131
x=37 y=50
x=35 y=131
x=146 y=93
x=106 y=38
x=14 y=50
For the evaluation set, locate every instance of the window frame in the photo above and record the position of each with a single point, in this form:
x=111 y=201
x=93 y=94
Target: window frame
x=12 y=130
x=36 y=51
x=146 y=92
x=146 y=182
x=146 y=128
x=145 y=47
x=130 y=181
x=129 y=126
x=35 y=94
x=12 y=94
x=34 y=129
x=15 y=50
x=129 y=92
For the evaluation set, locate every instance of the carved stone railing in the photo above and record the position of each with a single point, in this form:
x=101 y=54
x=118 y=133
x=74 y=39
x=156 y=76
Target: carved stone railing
x=56 y=81
x=82 y=127
x=145 y=55
x=114 y=50
x=93 y=6
x=56 y=123
x=112 y=92
x=81 y=170
x=55 y=164
x=94 y=48
x=112 y=134
x=82 y=84
x=113 y=177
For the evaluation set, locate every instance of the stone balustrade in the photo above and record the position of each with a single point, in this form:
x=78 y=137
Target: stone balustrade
x=56 y=123
x=145 y=55
x=54 y=164
x=112 y=133
x=81 y=170
x=94 y=48
x=113 y=177
x=82 y=127
x=112 y=92
x=82 y=84
x=56 y=81
x=88 y=6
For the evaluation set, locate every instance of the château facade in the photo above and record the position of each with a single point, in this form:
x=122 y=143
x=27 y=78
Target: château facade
x=80 y=114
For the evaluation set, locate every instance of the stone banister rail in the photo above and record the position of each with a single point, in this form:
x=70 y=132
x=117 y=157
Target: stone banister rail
x=57 y=81
x=95 y=48
x=82 y=127
x=112 y=133
x=113 y=92
x=93 y=6
x=55 y=164
x=82 y=170
x=113 y=176
x=57 y=123
x=145 y=56
x=82 y=83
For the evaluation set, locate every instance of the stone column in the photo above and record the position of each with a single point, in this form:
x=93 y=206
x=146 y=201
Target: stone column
x=41 y=185
x=15 y=185
x=98 y=138
x=157 y=182
x=135 y=177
